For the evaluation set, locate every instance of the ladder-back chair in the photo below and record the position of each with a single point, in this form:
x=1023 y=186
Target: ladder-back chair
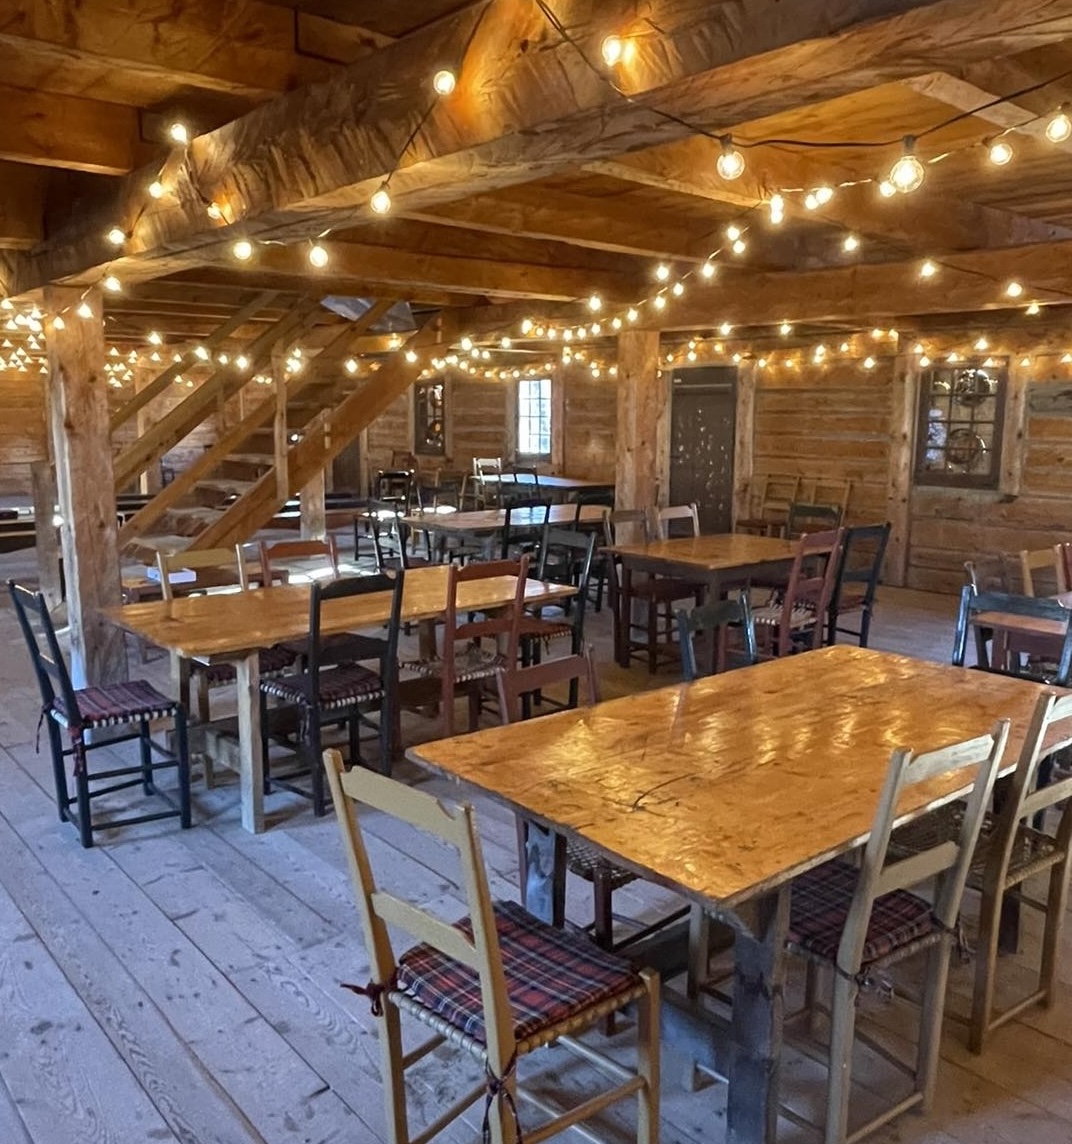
x=796 y=618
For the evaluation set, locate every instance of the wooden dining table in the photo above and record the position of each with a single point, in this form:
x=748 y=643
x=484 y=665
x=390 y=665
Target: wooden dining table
x=725 y=790
x=233 y=627
x=492 y=520
x=710 y=560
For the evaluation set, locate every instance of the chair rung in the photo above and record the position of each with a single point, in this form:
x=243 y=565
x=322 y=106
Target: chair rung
x=113 y=823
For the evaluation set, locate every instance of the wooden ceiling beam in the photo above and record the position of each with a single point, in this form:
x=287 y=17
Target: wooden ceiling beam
x=966 y=282
x=313 y=158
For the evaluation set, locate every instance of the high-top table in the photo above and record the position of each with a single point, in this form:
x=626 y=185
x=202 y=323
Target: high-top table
x=725 y=790
x=233 y=627
x=710 y=560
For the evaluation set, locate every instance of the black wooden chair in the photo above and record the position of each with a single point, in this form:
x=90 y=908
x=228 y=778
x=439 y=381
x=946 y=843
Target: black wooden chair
x=391 y=538
x=1015 y=654
x=526 y=517
x=337 y=689
x=82 y=711
x=863 y=549
x=714 y=622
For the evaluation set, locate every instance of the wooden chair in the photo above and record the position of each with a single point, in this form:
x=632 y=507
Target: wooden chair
x=498 y=984
x=805 y=517
x=797 y=617
x=858 y=921
x=716 y=620
x=336 y=689
x=604 y=498
x=777 y=493
x=522 y=538
x=1011 y=849
x=215 y=569
x=1043 y=658
x=487 y=492
x=472 y=663
x=990 y=573
x=827 y=490
x=856 y=581
x=1042 y=572
x=323 y=555
x=391 y=538
x=396 y=486
x=667 y=520
x=81 y=712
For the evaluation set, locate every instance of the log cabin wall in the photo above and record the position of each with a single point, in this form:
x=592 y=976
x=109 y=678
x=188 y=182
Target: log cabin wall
x=22 y=429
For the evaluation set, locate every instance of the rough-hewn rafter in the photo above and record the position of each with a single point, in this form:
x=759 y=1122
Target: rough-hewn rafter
x=528 y=105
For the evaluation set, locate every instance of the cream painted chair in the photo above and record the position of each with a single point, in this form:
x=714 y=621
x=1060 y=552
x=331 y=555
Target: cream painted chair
x=498 y=985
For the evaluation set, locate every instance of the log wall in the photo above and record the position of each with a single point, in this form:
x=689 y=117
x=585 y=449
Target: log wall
x=22 y=429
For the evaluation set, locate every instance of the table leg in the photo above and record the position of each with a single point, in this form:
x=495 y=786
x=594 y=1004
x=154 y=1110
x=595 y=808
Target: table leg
x=758 y=1010
x=625 y=615
x=251 y=765
x=180 y=679
x=543 y=873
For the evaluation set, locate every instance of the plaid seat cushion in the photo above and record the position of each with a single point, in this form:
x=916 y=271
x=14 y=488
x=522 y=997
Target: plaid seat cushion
x=820 y=905
x=339 y=687
x=271 y=661
x=115 y=703
x=472 y=663
x=551 y=975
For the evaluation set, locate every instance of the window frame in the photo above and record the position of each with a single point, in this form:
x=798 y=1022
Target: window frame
x=990 y=481
x=519 y=415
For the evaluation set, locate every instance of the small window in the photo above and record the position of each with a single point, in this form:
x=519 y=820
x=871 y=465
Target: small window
x=534 y=417
x=960 y=416
x=430 y=418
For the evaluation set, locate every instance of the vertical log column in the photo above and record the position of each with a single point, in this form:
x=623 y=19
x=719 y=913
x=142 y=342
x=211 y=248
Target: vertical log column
x=642 y=468
x=744 y=441
x=902 y=458
x=78 y=415
x=314 y=524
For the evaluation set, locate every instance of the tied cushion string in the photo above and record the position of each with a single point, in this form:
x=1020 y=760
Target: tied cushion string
x=498 y=1089
x=373 y=992
x=870 y=981
x=78 y=747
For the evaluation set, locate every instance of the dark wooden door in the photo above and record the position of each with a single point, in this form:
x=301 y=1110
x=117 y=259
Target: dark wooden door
x=701 y=443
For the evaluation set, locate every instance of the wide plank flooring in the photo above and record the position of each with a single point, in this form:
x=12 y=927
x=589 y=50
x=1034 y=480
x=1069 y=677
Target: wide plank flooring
x=185 y=986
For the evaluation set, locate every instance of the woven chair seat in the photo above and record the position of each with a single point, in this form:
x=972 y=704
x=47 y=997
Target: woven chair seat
x=819 y=908
x=586 y=862
x=339 y=687
x=551 y=976
x=114 y=704
x=271 y=661
x=535 y=628
x=472 y=663
x=801 y=615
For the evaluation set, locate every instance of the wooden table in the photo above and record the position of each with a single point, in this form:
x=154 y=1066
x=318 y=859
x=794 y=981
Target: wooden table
x=562 y=486
x=493 y=519
x=234 y=627
x=726 y=789
x=706 y=559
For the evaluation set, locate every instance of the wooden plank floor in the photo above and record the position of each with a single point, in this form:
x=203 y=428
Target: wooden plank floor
x=184 y=986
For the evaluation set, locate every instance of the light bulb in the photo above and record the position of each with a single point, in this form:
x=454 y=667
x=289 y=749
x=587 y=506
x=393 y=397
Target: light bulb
x=733 y=233
x=156 y=189
x=1025 y=361
x=1059 y=127
x=616 y=323
x=1014 y=289
x=154 y=339
x=662 y=272
x=876 y=333
x=785 y=329
x=679 y=289
x=526 y=326
x=850 y=244
x=84 y=310
x=595 y=303
x=811 y=202
x=612 y=50
x=112 y=284
x=505 y=343
x=632 y=314
x=869 y=363
x=350 y=365
x=823 y=195
x=411 y=356
x=214 y=211
x=928 y=269
x=907 y=174
x=981 y=345
x=242 y=250
x=443 y=81
x=466 y=343
x=179 y=133
x=740 y=246
x=201 y=353
x=708 y=269
x=730 y=163
x=1000 y=153
x=241 y=362
x=116 y=236
x=725 y=329
x=1034 y=310
x=318 y=256
x=777 y=209
x=381 y=201
x=58 y=323
x=659 y=302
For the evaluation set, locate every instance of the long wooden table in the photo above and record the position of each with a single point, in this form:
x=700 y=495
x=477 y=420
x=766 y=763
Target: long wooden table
x=556 y=485
x=234 y=627
x=492 y=520
x=728 y=788
x=705 y=559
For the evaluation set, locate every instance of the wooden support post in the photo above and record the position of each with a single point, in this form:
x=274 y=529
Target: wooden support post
x=744 y=450
x=151 y=481
x=78 y=404
x=279 y=426
x=314 y=525
x=643 y=451
x=902 y=458
x=1014 y=438
x=49 y=576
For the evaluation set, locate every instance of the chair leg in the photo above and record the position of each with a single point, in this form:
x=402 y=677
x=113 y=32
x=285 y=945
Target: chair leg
x=648 y=1060
x=986 y=960
x=653 y=636
x=316 y=768
x=603 y=930
x=353 y=732
x=203 y=715
x=182 y=751
x=265 y=744
x=842 y=1035
x=1051 y=937
x=59 y=774
x=392 y=1077
x=475 y=704
x=932 y=1007
x=146 y=752
x=865 y=626
x=446 y=704
x=85 y=826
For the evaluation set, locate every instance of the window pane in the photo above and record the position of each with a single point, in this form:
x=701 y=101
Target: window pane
x=534 y=417
x=960 y=425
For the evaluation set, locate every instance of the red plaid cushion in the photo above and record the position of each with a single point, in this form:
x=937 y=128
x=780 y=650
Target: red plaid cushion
x=550 y=976
x=339 y=687
x=271 y=661
x=116 y=703
x=820 y=905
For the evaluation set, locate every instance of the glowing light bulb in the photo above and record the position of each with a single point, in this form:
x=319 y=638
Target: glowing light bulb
x=381 y=201
x=662 y=272
x=318 y=256
x=1025 y=361
x=58 y=323
x=850 y=244
x=908 y=173
x=678 y=289
x=981 y=345
x=928 y=269
x=1014 y=289
x=466 y=343
x=612 y=49
x=505 y=343
x=201 y=352
x=632 y=314
x=869 y=363
x=740 y=246
x=179 y=134
x=785 y=329
x=116 y=236
x=84 y=310
x=924 y=361
x=243 y=250
x=526 y=326
x=659 y=302
x=443 y=81
x=1059 y=127
x=411 y=356
x=241 y=362
x=616 y=323
x=823 y=195
x=156 y=189
x=708 y=269
x=112 y=284
x=154 y=339
x=733 y=233
x=886 y=189
x=777 y=210
x=811 y=202
x=350 y=365
x=725 y=329
x=1000 y=153
x=730 y=163
x=1034 y=310
x=214 y=211
x=595 y=303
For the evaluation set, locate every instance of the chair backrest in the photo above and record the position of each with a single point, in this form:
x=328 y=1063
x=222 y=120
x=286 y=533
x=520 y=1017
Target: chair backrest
x=811 y=583
x=863 y=549
x=974 y=603
x=1063 y=552
x=212 y=568
x=327 y=655
x=632 y=520
x=394 y=485
x=1042 y=572
x=677 y=520
x=501 y=623
x=811 y=517
x=50 y=668
x=486 y=466
x=715 y=621
x=565 y=557
x=524 y=475
x=390 y=535
x=547 y=673
x=323 y=555
x=455 y=826
x=531 y=522
x=827 y=491
x=948 y=861
x=778 y=492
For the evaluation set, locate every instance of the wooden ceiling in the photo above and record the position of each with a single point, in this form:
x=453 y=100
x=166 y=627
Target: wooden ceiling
x=545 y=177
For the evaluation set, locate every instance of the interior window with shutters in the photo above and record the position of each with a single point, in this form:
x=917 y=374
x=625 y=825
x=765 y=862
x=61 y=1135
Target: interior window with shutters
x=960 y=420
x=534 y=417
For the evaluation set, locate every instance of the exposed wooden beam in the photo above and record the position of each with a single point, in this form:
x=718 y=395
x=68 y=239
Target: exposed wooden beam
x=314 y=157
x=965 y=282
x=22 y=205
